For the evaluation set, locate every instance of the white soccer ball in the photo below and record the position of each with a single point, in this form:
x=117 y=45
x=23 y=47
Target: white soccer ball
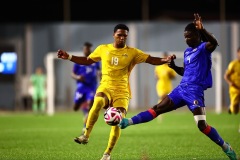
x=112 y=116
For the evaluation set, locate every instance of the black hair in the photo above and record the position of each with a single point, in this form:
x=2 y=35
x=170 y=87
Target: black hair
x=192 y=28
x=87 y=44
x=120 y=26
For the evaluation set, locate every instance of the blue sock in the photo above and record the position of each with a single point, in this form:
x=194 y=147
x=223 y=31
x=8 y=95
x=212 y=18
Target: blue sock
x=213 y=135
x=143 y=117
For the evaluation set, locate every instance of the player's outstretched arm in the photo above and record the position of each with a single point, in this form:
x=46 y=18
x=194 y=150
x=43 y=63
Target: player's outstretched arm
x=76 y=59
x=159 y=61
x=212 y=42
x=179 y=70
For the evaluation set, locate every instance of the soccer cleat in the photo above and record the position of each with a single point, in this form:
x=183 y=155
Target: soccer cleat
x=124 y=123
x=230 y=153
x=81 y=139
x=106 y=157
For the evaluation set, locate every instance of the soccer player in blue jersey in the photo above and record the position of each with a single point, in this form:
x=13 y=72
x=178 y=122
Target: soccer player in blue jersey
x=86 y=81
x=196 y=77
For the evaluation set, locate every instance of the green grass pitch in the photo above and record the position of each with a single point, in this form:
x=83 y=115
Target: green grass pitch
x=24 y=136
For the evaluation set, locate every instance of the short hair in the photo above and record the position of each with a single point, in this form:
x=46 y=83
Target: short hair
x=120 y=26
x=87 y=44
x=238 y=49
x=191 y=27
x=165 y=53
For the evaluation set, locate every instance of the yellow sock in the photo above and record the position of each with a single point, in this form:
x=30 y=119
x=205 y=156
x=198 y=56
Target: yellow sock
x=93 y=114
x=113 y=138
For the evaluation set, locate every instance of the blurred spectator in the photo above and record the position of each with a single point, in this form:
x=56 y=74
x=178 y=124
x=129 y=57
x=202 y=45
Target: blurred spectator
x=86 y=78
x=164 y=76
x=232 y=77
x=38 y=90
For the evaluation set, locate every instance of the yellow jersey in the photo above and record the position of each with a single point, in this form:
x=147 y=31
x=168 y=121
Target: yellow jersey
x=117 y=64
x=164 y=75
x=234 y=71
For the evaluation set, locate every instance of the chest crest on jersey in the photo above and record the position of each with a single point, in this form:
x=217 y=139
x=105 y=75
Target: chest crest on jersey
x=125 y=55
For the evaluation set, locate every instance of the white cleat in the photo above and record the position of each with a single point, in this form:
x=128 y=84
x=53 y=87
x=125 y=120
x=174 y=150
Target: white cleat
x=106 y=157
x=81 y=139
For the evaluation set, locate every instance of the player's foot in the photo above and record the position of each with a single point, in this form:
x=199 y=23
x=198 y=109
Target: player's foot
x=124 y=123
x=81 y=139
x=106 y=157
x=229 y=111
x=230 y=153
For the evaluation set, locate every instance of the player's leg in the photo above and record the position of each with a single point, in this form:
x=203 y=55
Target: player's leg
x=234 y=102
x=42 y=100
x=35 y=100
x=211 y=132
x=171 y=102
x=115 y=130
x=86 y=106
x=100 y=101
x=79 y=98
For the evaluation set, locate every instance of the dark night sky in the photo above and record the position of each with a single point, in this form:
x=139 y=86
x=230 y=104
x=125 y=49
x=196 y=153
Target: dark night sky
x=27 y=11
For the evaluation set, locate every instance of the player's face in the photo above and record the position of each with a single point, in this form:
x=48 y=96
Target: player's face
x=120 y=38
x=86 y=51
x=192 y=39
x=238 y=54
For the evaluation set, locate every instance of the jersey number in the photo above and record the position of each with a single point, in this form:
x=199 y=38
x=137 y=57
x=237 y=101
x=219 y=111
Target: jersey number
x=114 y=61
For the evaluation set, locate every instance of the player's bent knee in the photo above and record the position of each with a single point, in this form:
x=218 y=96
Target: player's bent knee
x=200 y=121
x=202 y=125
x=99 y=101
x=164 y=106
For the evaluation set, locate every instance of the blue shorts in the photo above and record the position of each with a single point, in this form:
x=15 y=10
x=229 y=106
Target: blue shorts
x=83 y=94
x=187 y=94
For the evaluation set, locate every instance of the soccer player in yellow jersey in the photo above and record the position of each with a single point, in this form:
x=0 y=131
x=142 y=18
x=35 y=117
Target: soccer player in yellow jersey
x=232 y=77
x=118 y=60
x=164 y=75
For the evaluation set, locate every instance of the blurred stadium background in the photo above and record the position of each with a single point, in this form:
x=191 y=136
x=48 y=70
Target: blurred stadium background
x=37 y=28
x=33 y=31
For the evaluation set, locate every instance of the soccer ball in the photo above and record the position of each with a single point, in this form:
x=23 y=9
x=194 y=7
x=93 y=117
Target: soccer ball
x=112 y=116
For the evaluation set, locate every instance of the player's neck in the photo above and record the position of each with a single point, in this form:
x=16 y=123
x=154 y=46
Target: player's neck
x=117 y=46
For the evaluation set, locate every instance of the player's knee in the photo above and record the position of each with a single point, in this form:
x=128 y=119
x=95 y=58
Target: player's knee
x=202 y=125
x=200 y=121
x=99 y=101
x=164 y=106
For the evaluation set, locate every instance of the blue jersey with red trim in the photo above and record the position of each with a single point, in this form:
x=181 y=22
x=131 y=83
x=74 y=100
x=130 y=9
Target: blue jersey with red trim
x=197 y=66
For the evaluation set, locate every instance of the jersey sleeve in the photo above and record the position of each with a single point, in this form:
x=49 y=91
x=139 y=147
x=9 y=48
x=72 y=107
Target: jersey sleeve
x=140 y=56
x=96 y=54
x=230 y=67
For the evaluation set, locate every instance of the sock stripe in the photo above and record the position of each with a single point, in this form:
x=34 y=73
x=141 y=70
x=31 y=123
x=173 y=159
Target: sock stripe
x=153 y=113
x=207 y=130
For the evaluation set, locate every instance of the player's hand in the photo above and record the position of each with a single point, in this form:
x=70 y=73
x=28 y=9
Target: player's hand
x=170 y=58
x=62 y=54
x=171 y=64
x=198 y=21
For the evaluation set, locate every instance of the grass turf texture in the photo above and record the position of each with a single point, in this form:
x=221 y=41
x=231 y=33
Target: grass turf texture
x=24 y=136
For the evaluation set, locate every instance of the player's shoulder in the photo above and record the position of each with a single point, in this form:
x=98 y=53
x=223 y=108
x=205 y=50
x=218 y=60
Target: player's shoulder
x=134 y=50
x=105 y=45
x=233 y=61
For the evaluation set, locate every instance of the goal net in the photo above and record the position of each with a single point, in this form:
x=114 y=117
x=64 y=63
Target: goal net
x=61 y=87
